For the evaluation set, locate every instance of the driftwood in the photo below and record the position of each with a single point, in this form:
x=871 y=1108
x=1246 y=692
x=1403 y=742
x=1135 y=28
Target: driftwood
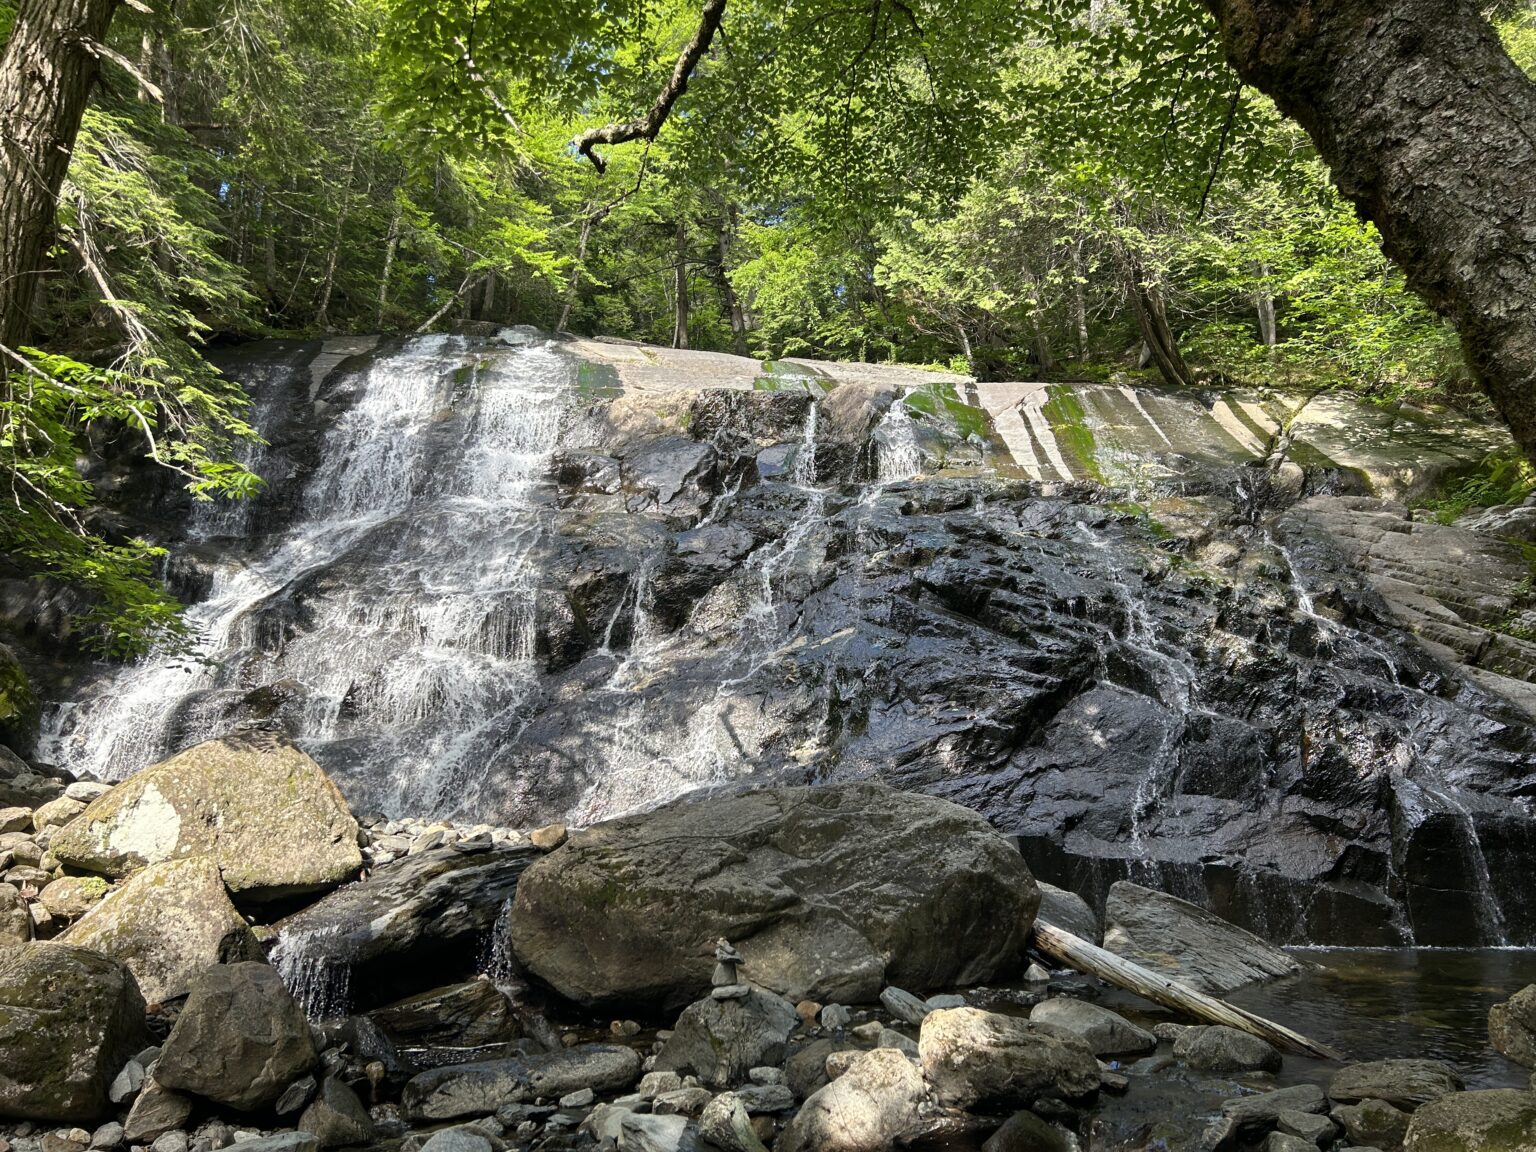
x=1078 y=953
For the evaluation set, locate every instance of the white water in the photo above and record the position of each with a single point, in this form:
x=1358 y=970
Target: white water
x=897 y=452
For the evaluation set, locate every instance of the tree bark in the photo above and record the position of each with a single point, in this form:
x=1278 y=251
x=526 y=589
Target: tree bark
x=573 y=289
x=1264 y=305
x=680 y=289
x=46 y=74
x=728 y=295
x=391 y=249
x=1079 y=303
x=1430 y=130
x=1152 y=318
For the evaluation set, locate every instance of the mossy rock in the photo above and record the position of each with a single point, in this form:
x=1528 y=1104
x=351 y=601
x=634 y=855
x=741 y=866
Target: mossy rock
x=18 y=702
x=1496 y=1120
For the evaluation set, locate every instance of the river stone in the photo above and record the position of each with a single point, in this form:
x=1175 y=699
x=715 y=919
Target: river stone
x=1372 y=1122
x=1106 y=1033
x=457 y=1140
x=479 y=1089
x=1068 y=911
x=1404 y=1084
x=1495 y=1120
x=720 y=1041
x=56 y=813
x=240 y=1039
x=71 y=897
x=15 y=820
x=260 y=807
x=724 y=1123
x=828 y=892
x=1223 y=1050
x=975 y=1057
x=168 y=922
x=409 y=925
x=1248 y=1113
x=866 y=1109
x=23 y=787
x=1512 y=1026
x=69 y=1021
x=1026 y=1132
x=156 y=1110
x=337 y=1117
x=461 y=1015
x=281 y=1142
x=806 y=1070
x=1189 y=944
x=15 y=923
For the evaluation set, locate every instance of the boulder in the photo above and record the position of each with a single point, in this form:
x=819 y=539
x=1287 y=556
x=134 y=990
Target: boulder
x=724 y=1123
x=337 y=1117
x=866 y=1109
x=168 y=923
x=56 y=813
x=240 y=1039
x=1495 y=1120
x=15 y=923
x=720 y=1041
x=282 y=1142
x=1225 y=1051
x=257 y=805
x=23 y=787
x=1372 y=1123
x=1106 y=1033
x=829 y=893
x=1026 y=1132
x=1512 y=1026
x=69 y=1021
x=1404 y=1084
x=642 y=1133
x=1187 y=943
x=1248 y=1114
x=156 y=1111
x=806 y=1070
x=459 y=1016
x=408 y=926
x=479 y=1089
x=1068 y=911
x=71 y=897
x=975 y=1057
x=457 y=1140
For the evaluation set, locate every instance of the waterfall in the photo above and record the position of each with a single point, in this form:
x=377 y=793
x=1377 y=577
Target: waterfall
x=804 y=472
x=323 y=989
x=898 y=456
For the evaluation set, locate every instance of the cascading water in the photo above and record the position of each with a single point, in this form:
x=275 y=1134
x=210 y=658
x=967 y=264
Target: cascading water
x=898 y=456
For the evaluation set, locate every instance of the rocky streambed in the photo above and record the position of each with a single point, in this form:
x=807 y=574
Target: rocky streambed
x=217 y=953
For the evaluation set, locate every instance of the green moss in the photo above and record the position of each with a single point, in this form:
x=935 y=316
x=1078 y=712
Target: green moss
x=18 y=703
x=596 y=381
x=1070 y=424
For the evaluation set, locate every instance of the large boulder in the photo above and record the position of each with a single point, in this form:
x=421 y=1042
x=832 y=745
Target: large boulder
x=15 y=922
x=1404 y=1084
x=1225 y=1051
x=25 y=787
x=458 y=1016
x=1184 y=941
x=1106 y=1033
x=1512 y=1026
x=829 y=893
x=257 y=805
x=878 y=1098
x=407 y=927
x=481 y=1088
x=975 y=1057
x=1068 y=911
x=239 y=1041
x=69 y=1021
x=168 y=922
x=720 y=1041
x=1495 y=1120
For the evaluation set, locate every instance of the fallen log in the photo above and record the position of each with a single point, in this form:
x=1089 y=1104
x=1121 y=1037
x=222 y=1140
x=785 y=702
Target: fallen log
x=1078 y=953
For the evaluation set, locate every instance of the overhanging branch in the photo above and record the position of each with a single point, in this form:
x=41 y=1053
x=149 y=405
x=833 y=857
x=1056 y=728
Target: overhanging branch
x=647 y=126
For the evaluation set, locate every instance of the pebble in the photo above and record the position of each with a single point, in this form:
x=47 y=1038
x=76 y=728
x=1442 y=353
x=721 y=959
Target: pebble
x=683 y=1102
x=766 y=1074
x=109 y=1135
x=624 y=1028
x=549 y=837
x=807 y=1010
x=1035 y=974
x=731 y=992
x=835 y=1016
x=947 y=1000
x=890 y=1038
x=903 y=1005
x=580 y=1099
x=868 y=1033
x=653 y=1084
x=173 y=1141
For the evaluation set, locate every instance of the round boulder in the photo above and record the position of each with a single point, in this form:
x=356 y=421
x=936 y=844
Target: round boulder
x=1496 y=1120
x=975 y=1057
x=829 y=893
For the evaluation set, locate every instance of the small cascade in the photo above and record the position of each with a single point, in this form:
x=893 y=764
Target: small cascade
x=1490 y=917
x=323 y=989
x=897 y=454
x=804 y=472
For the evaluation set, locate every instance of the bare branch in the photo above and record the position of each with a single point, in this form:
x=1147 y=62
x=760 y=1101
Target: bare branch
x=647 y=126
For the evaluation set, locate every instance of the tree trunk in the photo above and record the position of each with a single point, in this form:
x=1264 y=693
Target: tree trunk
x=46 y=74
x=323 y=312
x=574 y=287
x=1264 y=305
x=728 y=295
x=391 y=248
x=1079 y=302
x=488 y=298
x=1152 y=318
x=680 y=289
x=1430 y=130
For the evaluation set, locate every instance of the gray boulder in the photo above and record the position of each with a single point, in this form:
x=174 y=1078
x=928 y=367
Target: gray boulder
x=1495 y=1120
x=69 y=1021
x=1225 y=1051
x=1512 y=1026
x=725 y=1124
x=155 y=1112
x=282 y=1142
x=720 y=1041
x=1372 y=1123
x=830 y=893
x=240 y=1039
x=337 y=1117
x=866 y=1109
x=1187 y=943
x=457 y=1140
x=642 y=1133
x=975 y=1057
x=168 y=923
x=806 y=1070
x=15 y=923
x=1404 y=1084
x=1068 y=911
x=261 y=808
x=23 y=787
x=479 y=1089
x=460 y=1015
x=1026 y=1132
x=1106 y=1033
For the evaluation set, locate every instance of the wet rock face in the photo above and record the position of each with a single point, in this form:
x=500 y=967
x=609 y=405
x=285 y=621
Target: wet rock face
x=515 y=585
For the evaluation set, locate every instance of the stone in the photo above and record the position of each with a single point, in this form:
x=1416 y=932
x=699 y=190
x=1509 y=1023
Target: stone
x=807 y=1010
x=806 y=1070
x=128 y=1083
x=890 y=1038
x=69 y=1021
x=654 y=1084
x=263 y=810
x=336 y=1117
x=758 y=1098
x=1492 y=1120
x=1316 y=1130
x=581 y=1098
x=73 y=896
x=1026 y=1132
x=1106 y=1033
x=168 y=922
x=868 y=1032
x=1068 y=911
x=173 y=1141
x=835 y=1017
x=457 y=1140
x=548 y=838
x=1405 y=1084
x=461 y=1015
x=22 y=786
x=480 y=1089
x=866 y=1109
x=688 y=1101
x=766 y=1074
x=639 y=1133
x=1035 y=974
x=296 y=1096
x=15 y=922
x=15 y=820
x=85 y=791
x=1373 y=1122
x=1284 y=1142
x=1512 y=1026
x=1225 y=1051
x=56 y=813
x=725 y=1124
x=933 y=896
x=1263 y=1111
x=71 y=1140
x=407 y=927
x=719 y=1041
x=944 y=1000
x=281 y=1142
x=1189 y=944
x=903 y=1005
x=973 y=1057
x=240 y=1039
x=156 y=1110
x=108 y=1136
